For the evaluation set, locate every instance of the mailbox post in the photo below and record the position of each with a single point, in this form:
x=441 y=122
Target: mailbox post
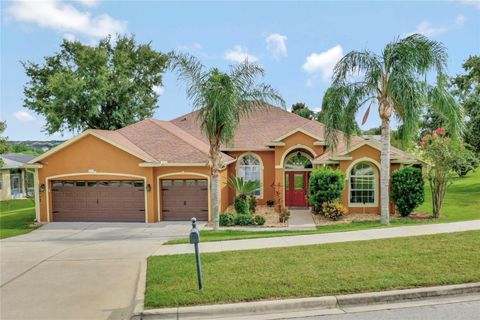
x=195 y=239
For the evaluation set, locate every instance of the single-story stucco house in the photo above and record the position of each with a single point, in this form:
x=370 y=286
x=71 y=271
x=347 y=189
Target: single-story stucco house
x=16 y=182
x=157 y=170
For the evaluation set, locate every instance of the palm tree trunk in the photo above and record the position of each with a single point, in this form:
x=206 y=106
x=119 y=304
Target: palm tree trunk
x=216 y=197
x=385 y=171
x=215 y=164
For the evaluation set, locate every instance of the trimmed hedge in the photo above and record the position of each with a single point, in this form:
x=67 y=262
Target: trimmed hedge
x=407 y=189
x=325 y=185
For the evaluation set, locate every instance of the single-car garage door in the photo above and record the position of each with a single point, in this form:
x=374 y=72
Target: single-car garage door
x=98 y=201
x=184 y=199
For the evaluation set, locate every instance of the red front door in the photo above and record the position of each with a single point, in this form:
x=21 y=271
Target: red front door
x=296 y=186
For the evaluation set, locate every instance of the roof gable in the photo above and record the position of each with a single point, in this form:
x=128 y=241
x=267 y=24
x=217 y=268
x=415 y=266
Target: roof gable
x=111 y=137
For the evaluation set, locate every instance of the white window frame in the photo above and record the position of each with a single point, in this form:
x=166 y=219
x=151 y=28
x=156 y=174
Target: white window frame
x=375 y=183
x=238 y=165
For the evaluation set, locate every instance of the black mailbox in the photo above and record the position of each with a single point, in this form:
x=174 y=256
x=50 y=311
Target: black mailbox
x=194 y=236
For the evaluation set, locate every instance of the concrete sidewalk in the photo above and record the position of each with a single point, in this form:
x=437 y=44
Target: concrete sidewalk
x=291 y=241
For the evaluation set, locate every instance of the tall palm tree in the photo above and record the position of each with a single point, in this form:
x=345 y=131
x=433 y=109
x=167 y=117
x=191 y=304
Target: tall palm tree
x=396 y=81
x=222 y=99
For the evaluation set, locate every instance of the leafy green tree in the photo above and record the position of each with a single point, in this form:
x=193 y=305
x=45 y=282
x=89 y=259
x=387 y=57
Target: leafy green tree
x=222 y=99
x=4 y=147
x=441 y=152
x=24 y=148
x=302 y=110
x=107 y=86
x=467 y=88
x=395 y=81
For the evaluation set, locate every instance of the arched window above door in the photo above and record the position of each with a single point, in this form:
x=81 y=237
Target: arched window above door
x=298 y=161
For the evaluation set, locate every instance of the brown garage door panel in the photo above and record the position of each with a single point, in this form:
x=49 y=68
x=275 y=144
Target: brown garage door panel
x=98 y=201
x=184 y=199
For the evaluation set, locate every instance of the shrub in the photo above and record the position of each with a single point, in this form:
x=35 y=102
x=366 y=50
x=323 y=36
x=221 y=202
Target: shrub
x=270 y=203
x=244 y=220
x=325 y=185
x=284 y=216
x=334 y=210
x=407 y=189
x=259 y=220
x=241 y=205
x=464 y=165
x=227 y=219
x=252 y=203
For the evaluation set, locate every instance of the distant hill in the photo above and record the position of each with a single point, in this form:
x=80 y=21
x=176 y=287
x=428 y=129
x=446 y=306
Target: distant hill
x=35 y=146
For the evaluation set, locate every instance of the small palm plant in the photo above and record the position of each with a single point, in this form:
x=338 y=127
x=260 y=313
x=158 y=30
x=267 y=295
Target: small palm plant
x=243 y=187
x=395 y=81
x=222 y=100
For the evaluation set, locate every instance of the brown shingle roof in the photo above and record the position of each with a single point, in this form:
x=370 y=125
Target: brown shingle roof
x=261 y=127
x=160 y=141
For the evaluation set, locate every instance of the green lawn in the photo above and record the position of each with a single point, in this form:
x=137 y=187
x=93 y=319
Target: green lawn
x=316 y=270
x=462 y=202
x=16 y=217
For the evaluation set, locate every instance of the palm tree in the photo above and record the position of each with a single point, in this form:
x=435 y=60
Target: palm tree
x=222 y=99
x=396 y=81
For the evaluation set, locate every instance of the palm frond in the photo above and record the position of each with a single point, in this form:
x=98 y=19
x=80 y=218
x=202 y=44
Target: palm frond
x=241 y=186
x=357 y=63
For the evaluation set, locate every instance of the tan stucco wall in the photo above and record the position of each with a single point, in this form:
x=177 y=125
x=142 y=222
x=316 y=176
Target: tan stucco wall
x=93 y=153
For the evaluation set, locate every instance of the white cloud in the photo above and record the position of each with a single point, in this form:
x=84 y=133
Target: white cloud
x=474 y=3
x=158 y=90
x=89 y=3
x=69 y=37
x=323 y=63
x=23 y=116
x=460 y=20
x=189 y=48
x=65 y=18
x=428 y=30
x=239 y=54
x=276 y=45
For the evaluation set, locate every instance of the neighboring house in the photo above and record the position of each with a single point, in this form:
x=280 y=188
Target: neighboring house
x=157 y=170
x=16 y=182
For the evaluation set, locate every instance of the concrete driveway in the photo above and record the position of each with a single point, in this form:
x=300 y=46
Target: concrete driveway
x=78 y=270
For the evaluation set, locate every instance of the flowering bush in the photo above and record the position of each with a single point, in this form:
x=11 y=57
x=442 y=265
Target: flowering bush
x=441 y=152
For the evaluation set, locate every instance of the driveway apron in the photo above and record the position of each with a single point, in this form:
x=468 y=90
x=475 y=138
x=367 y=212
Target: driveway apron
x=78 y=270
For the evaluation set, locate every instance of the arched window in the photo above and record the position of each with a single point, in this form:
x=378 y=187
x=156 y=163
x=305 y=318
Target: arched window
x=298 y=161
x=250 y=169
x=362 y=184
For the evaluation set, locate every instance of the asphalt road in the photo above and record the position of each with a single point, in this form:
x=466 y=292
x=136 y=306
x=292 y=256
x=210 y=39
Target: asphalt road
x=452 y=311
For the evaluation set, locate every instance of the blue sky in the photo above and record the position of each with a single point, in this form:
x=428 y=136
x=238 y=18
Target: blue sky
x=296 y=43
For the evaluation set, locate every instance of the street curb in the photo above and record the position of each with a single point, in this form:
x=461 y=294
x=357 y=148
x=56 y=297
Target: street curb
x=303 y=304
x=140 y=292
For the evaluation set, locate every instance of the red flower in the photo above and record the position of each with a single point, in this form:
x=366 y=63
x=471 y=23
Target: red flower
x=439 y=131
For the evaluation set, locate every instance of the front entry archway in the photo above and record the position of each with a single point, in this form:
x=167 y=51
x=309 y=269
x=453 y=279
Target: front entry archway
x=298 y=166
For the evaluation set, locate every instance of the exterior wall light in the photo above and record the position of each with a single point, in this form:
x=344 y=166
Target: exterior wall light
x=148 y=188
x=42 y=188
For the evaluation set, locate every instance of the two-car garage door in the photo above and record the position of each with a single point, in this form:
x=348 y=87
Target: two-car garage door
x=98 y=201
x=122 y=200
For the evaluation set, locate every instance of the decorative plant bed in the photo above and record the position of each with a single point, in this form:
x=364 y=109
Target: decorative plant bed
x=268 y=213
x=321 y=220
